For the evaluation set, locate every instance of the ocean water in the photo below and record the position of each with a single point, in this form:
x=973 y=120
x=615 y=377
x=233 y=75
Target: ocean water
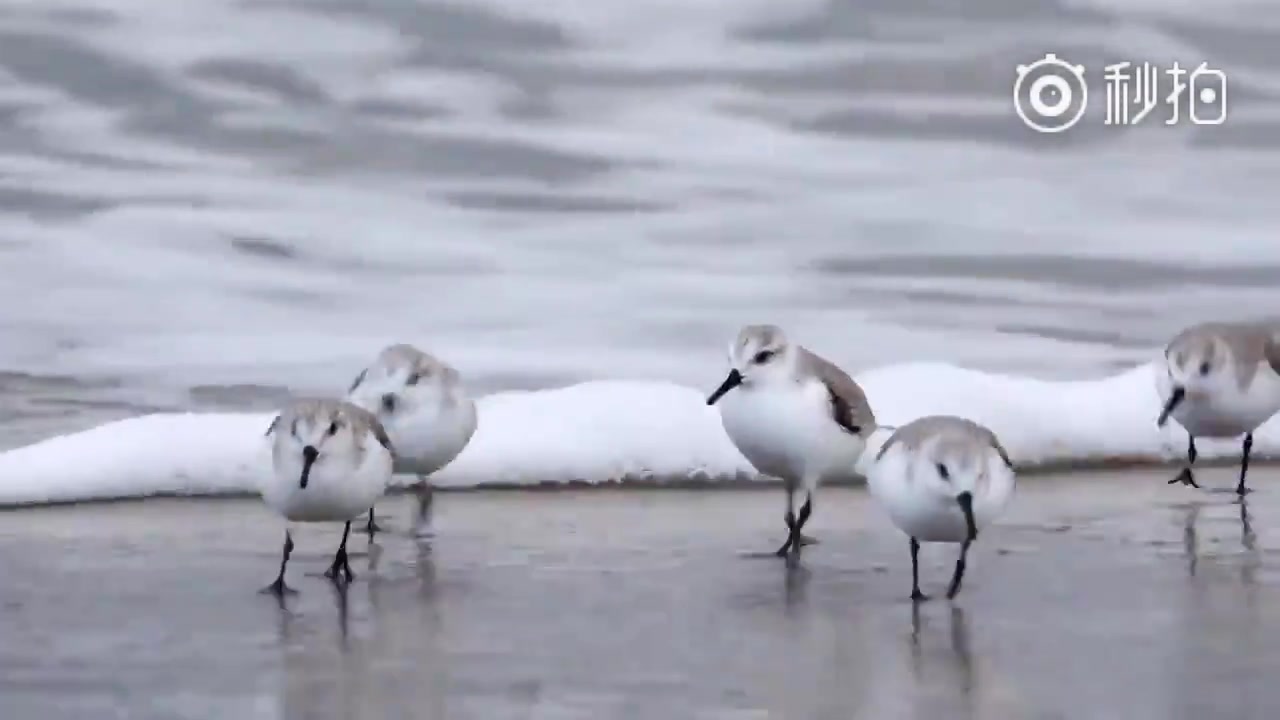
x=214 y=206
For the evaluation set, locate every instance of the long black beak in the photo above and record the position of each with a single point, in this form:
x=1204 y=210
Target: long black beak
x=309 y=455
x=1175 y=397
x=731 y=382
x=965 y=500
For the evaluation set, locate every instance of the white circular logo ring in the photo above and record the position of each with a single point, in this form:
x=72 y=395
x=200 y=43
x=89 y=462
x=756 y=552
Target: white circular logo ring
x=1051 y=94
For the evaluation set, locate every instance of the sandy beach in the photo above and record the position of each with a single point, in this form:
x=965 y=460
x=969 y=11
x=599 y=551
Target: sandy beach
x=1099 y=595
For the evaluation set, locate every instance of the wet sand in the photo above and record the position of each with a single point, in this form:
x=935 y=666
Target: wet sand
x=1098 y=596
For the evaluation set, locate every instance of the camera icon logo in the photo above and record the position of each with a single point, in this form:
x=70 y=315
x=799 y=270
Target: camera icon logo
x=1050 y=94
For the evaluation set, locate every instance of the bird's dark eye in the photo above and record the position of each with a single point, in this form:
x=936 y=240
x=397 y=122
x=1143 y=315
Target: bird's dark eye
x=413 y=379
x=333 y=428
x=1204 y=368
x=942 y=470
x=763 y=357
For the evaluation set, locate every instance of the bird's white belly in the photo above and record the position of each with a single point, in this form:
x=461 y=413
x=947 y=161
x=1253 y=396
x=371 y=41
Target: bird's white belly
x=789 y=434
x=930 y=516
x=333 y=492
x=944 y=523
x=1229 y=412
x=427 y=440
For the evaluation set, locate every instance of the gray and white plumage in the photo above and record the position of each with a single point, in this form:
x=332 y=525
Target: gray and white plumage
x=352 y=461
x=941 y=478
x=793 y=414
x=330 y=461
x=1229 y=374
x=1248 y=346
x=950 y=435
x=1220 y=380
x=424 y=405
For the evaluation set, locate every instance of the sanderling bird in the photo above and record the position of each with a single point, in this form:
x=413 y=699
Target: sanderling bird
x=794 y=416
x=330 y=461
x=1220 y=380
x=426 y=410
x=941 y=478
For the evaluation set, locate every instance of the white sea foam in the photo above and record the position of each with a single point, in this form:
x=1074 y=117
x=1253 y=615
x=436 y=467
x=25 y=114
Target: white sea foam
x=611 y=431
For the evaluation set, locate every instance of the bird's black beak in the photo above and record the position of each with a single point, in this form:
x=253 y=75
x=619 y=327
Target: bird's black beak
x=731 y=382
x=309 y=455
x=388 y=403
x=965 y=500
x=1175 y=397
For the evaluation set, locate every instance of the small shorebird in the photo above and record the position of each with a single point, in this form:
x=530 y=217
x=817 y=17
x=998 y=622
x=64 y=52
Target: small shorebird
x=1220 y=380
x=941 y=478
x=426 y=411
x=794 y=416
x=330 y=461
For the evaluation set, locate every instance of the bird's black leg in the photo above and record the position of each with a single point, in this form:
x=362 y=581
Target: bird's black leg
x=278 y=588
x=1186 y=477
x=796 y=539
x=372 y=526
x=959 y=573
x=340 y=564
x=790 y=519
x=1244 y=464
x=916 y=595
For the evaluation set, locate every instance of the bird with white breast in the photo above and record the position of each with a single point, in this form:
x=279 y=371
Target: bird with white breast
x=426 y=411
x=330 y=462
x=794 y=416
x=1220 y=380
x=941 y=479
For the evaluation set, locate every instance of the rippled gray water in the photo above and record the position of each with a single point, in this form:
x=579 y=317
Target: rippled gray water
x=212 y=204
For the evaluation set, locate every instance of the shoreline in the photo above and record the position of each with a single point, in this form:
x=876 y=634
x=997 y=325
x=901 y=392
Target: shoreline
x=727 y=484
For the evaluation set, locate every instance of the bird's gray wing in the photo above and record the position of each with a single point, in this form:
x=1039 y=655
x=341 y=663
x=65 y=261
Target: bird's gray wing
x=849 y=406
x=1004 y=454
x=380 y=433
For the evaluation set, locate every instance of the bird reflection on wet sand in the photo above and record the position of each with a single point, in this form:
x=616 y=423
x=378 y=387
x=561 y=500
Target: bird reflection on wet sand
x=287 y=618
x=373 y=578
x=795 y=583
x=951 y=672
x=1248 y=539
x=342 y=608
x=1247 y=536
x=1191 y=538
x=1252 y=558
x=958 y=628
